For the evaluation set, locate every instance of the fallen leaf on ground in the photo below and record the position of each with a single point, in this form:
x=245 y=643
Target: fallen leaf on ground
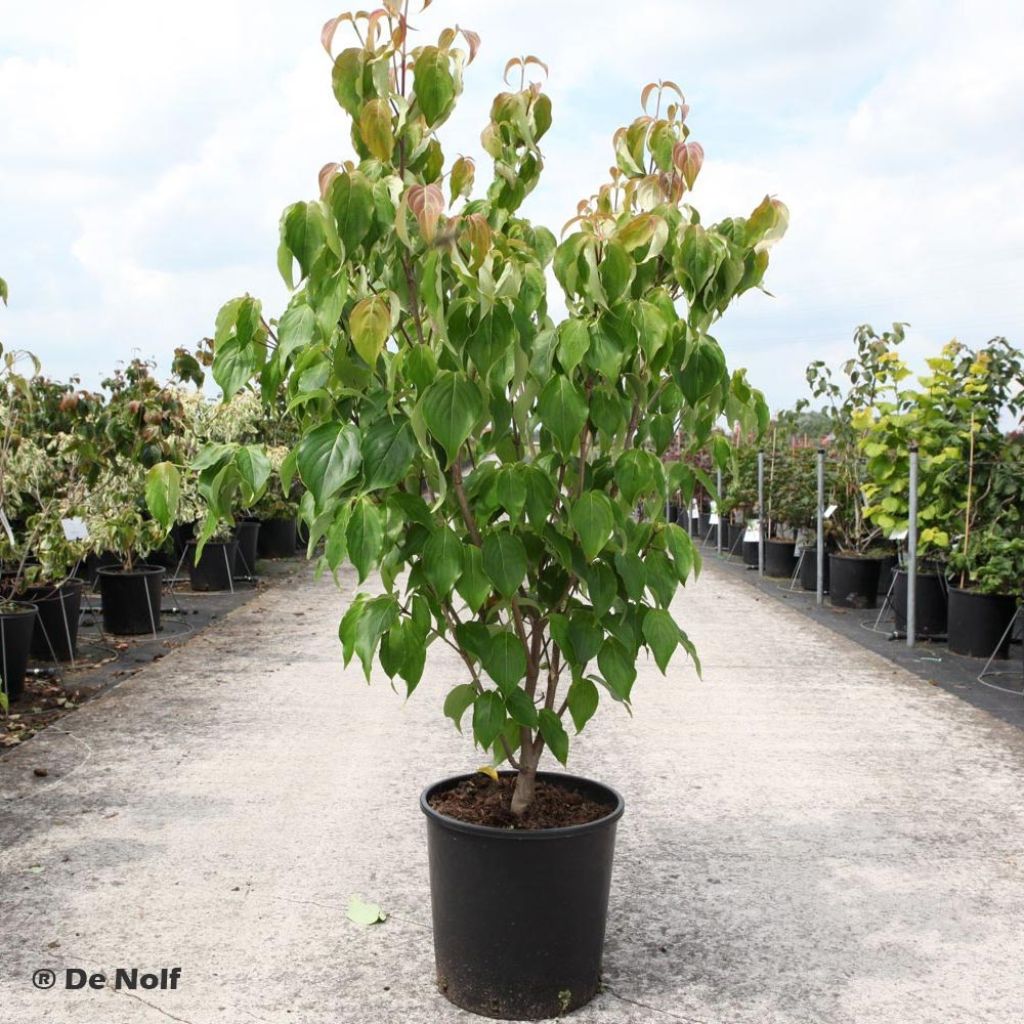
x=364 y=913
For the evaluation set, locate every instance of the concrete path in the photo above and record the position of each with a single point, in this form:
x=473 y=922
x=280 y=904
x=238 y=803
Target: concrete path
x=811 y=835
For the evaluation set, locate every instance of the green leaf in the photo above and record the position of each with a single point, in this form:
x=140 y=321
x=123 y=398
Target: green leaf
x=379 y=614
x=583 y=700
x=510 y=490
x=388 y=450
x=451 y=406
x=442 y=561
x=585 y=635
x=617 y=668
x=347 y=79
x=376 y=130
x=504 y=559
x=593 y=520
x=601 y=587
x=488 y=717
x=364 y=913
x=473 y=585
x=163 y=490
x=364 y=536
x=573 y=342
x=457 y=701
x=521 y=708
x=302 y=231
x=4 y=293
x=350 y=197
x=554 y=735
x=630 y=568
x=662 y=636
x=505 y=660
x=370 y=324
x=233 y=365
x=634 y=474
x=563 y=411
x=616 y=271
x=328 y=458
x=254 y=471
x=295 y=330
x=433 y=84
x=681 y=546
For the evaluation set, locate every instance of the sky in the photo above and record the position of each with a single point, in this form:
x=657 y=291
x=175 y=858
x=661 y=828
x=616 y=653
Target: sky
x=146 y=152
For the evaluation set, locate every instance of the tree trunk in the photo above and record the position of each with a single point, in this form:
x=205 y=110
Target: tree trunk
x=526 y=782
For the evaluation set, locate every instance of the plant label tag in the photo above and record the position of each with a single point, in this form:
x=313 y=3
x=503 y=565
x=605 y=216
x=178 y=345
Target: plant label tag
x=899 y=534
x=75 y=529
x=6 y=523
x=694 y=511
x=713 y=519
x=753 y=529
x=830 y=511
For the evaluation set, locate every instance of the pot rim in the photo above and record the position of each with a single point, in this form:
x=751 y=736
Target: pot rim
x=517 y=835
x=853 y=557
x=142 y=569
x=212 y=543
x=974 y=592
x=20 y=608
x=53 y=591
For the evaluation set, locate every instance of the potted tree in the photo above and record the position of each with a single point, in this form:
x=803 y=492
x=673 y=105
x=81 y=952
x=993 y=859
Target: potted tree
x=855 y=568
x=17 y=618
x=462 y=441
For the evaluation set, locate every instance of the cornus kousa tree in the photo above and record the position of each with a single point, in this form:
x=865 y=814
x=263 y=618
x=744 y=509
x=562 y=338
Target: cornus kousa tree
x=487 y=461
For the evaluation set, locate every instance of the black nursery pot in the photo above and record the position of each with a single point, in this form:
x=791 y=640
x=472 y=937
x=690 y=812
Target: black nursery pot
x=887 y=565
x=130 y=599
x=853 y=581
x=779 y=557
x=89 y=569
x=247 y=534
x=519 y=916
x=216 y=565
x=58 y=608
x=809 y=570
x=929 y=607
x=976 y=622
x=276 y=538
x=16 y=628
x=703 y=524
x=736 y=532
x=750 y=552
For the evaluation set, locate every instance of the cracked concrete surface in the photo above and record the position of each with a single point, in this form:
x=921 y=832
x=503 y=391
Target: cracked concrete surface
x=811 y=834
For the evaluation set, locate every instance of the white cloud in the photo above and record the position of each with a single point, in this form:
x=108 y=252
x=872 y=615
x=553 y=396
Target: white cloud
x=146 y=153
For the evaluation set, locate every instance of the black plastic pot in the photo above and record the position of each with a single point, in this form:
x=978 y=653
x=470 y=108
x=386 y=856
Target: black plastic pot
x=216 y=565
x=930 y=604
x=750 y=552
x=131 y=600
x=809 y=570
x=247 y=534
x=976 y=622
x=277 y=538
x=519 y=916
x=736 y=533
x=58 y=608
x=16 y=627
x=779 y=559
x=853 y=581
x=887 y=565
x=703 y=524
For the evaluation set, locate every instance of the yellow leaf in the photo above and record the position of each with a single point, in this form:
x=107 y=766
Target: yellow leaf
x=489 y=770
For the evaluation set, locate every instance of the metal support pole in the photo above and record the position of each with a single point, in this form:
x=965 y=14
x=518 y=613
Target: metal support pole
x=820 y=550
x=760 y=514
x=718 y=510
x=912 y=550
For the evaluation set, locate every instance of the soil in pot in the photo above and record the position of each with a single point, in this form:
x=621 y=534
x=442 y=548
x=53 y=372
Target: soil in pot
x=519 y=914
x=277 y=538
x=17 y=622
x=58 y=609
x=930 y=604
x=809 y=570
x=976 y=622
x=853 y=581
x=779 y=559
x=247 y=534
x=216 y=566
x=131 y=599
